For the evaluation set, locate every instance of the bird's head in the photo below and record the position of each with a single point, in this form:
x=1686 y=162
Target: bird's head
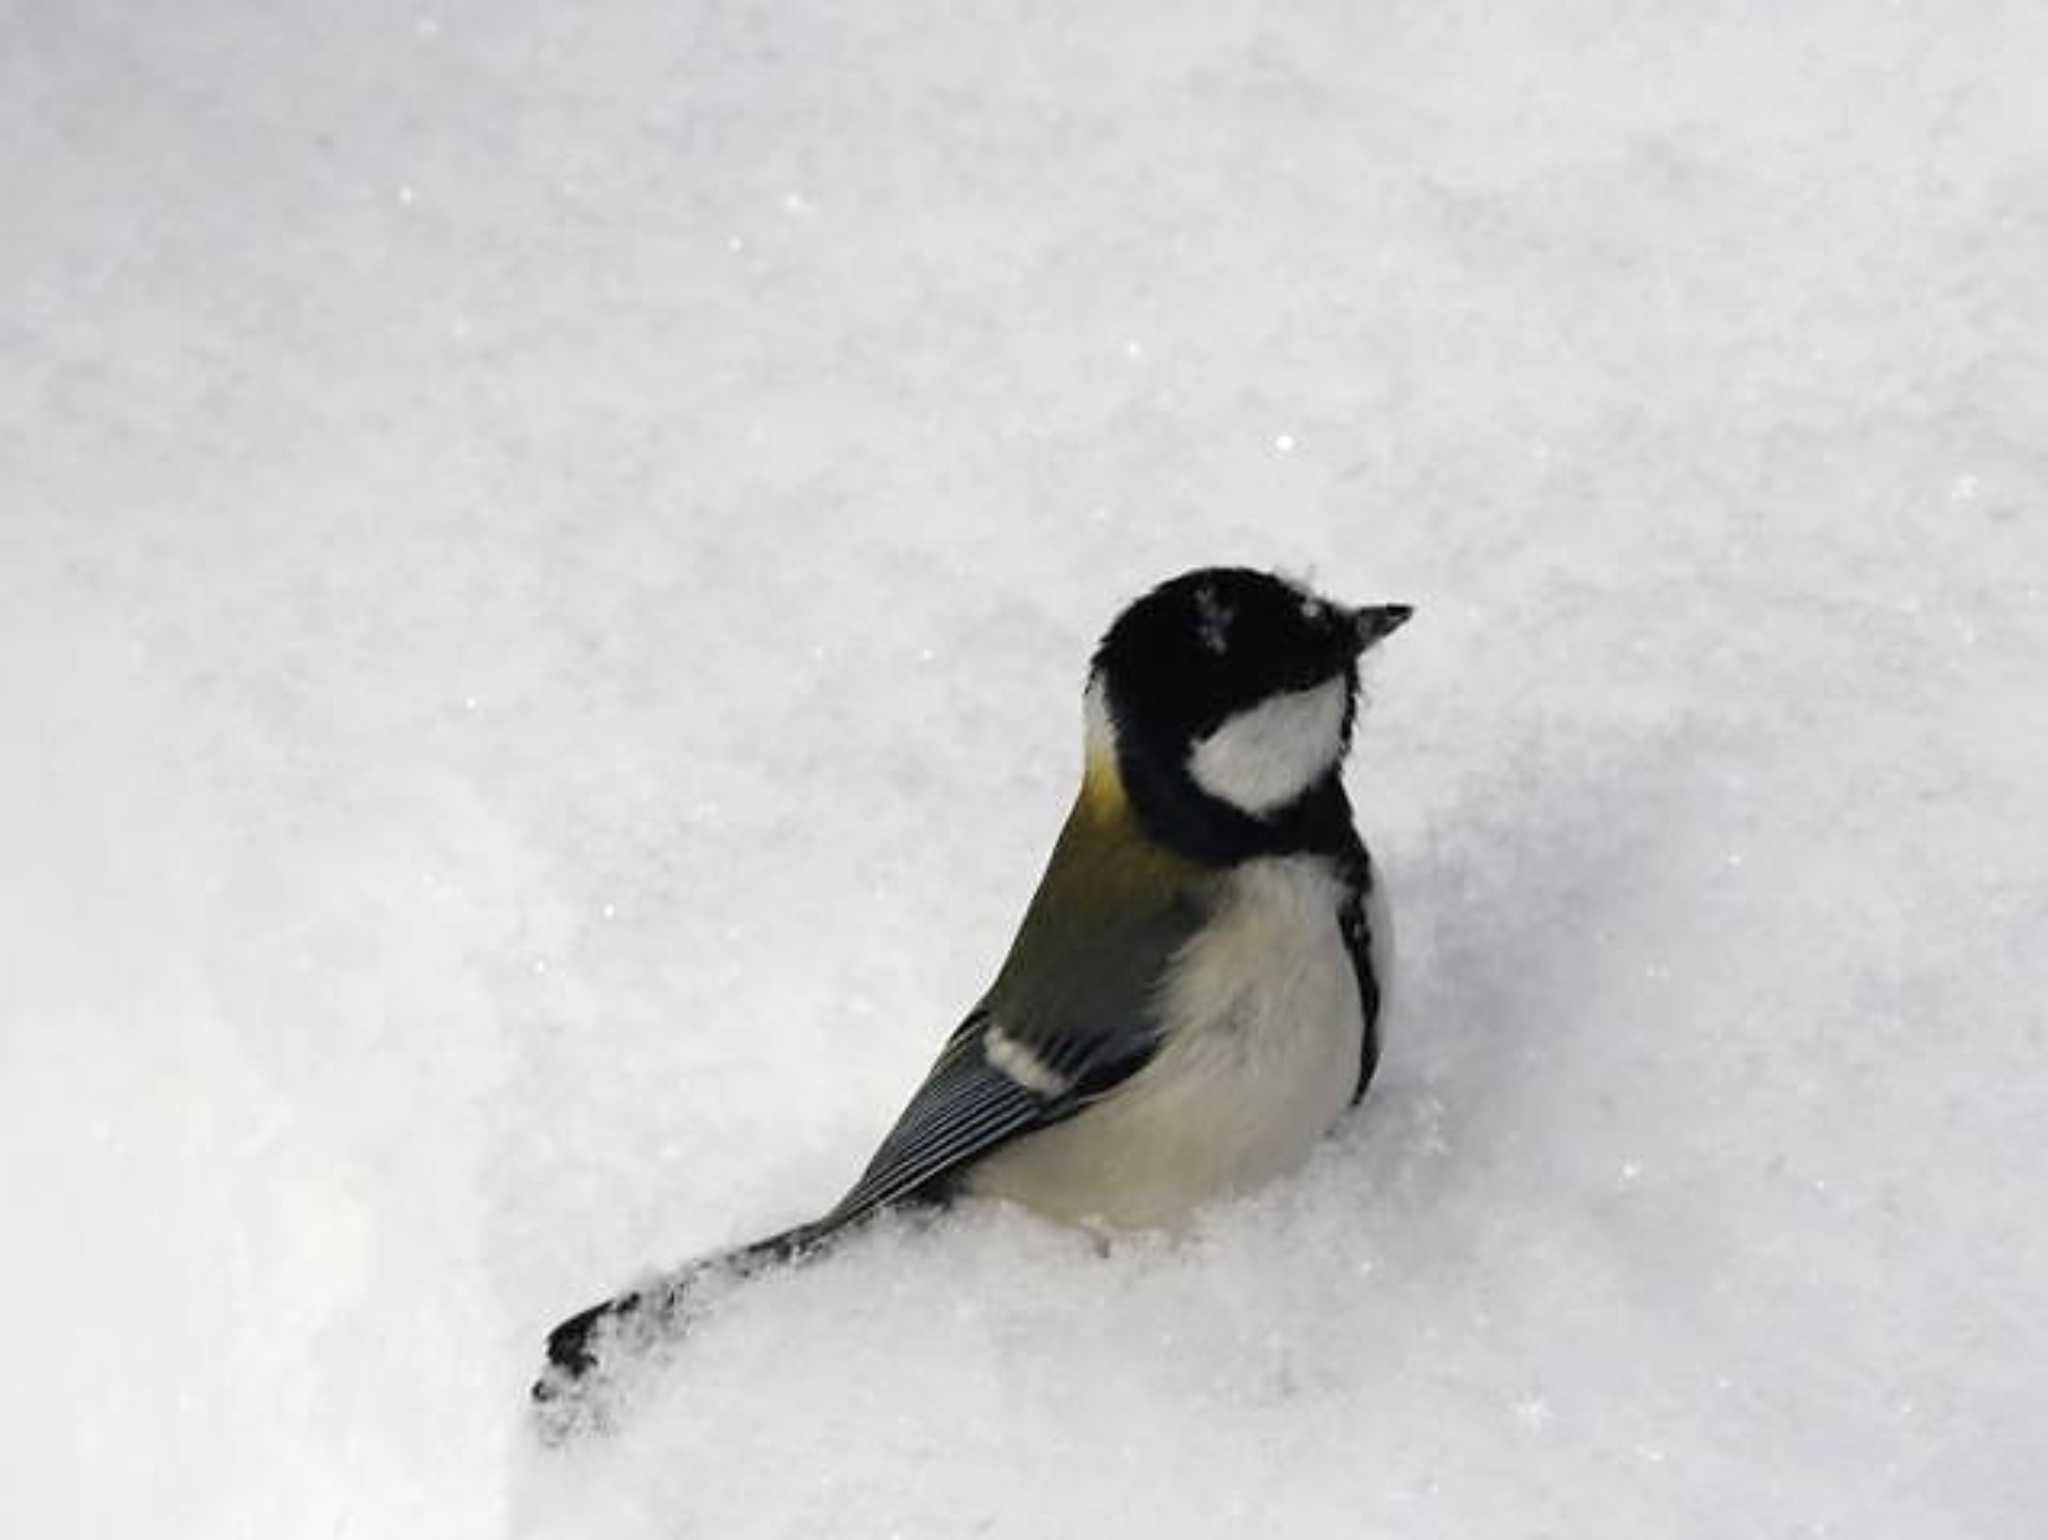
x=1227 y=693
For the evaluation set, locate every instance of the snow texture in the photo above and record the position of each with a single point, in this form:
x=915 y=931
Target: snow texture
x=546 y=565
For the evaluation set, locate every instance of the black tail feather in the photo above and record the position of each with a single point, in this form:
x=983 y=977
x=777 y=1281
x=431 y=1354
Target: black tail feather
x=633 y=1322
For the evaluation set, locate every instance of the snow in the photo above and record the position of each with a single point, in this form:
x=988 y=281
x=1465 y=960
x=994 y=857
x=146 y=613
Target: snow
x=546 y=568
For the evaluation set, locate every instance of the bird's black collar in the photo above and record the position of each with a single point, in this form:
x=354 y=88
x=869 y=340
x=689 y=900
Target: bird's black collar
x=1177 y=814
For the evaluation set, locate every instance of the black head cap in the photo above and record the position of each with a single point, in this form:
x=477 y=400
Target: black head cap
x=1210 y=643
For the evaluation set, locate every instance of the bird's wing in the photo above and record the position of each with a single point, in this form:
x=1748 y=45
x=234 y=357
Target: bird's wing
x=1071 y=1015
x=966 y=1107
x=991 y=1085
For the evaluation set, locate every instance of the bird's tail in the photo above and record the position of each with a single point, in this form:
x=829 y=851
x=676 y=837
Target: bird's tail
x=631 y=1323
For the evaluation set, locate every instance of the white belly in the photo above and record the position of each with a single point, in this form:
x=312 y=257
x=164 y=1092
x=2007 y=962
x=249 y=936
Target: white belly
x=1265 y=1058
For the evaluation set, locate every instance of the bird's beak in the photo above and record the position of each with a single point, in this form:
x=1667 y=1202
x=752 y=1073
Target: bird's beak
x=1378 y=620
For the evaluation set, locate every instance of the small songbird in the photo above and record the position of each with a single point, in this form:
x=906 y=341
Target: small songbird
x=1194 y=994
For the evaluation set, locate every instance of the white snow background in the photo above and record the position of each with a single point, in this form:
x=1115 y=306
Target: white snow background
x=546 y=564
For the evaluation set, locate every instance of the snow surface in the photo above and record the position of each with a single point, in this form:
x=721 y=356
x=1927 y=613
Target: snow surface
x=545 y=569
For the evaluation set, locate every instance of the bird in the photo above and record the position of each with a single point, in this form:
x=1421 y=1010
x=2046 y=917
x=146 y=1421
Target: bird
x=1194 y=994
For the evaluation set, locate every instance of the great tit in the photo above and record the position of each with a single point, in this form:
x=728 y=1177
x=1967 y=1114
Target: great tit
x=1194 y=993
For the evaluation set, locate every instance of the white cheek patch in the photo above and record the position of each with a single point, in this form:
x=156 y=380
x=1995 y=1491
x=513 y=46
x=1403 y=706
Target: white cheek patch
x=1097 y=726
x=1264 y=758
